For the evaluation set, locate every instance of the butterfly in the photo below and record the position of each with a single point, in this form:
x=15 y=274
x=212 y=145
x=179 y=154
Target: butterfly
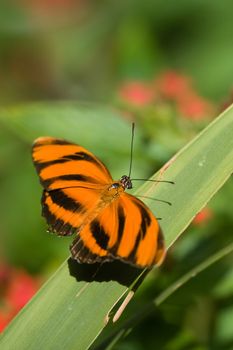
x=80 y=197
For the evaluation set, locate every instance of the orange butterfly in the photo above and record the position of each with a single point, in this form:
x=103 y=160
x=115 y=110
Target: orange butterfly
x=81 y=197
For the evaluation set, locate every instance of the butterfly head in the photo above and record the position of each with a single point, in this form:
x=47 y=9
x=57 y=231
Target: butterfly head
x=126 y=182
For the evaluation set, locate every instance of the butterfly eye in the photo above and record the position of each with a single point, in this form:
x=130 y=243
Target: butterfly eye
x=126 y=182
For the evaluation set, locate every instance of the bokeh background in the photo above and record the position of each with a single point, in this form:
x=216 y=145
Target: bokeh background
x=166 y=65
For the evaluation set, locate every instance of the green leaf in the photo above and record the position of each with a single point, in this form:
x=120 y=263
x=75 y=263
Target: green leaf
x=68 y=315
x=198 y=170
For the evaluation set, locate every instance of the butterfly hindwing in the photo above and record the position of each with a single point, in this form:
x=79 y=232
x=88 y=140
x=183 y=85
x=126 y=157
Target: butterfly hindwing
x=61 y=164
x=140 y=241
x=126 y=229
x=94 y=239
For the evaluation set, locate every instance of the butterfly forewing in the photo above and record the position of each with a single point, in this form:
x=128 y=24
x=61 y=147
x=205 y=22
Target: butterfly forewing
x=61 y=164
x=73 y=179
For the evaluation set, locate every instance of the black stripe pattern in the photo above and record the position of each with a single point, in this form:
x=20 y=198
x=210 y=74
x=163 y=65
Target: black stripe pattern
x=75 y=156
x=71 y=177
x=83 y=255
x=99 y=234
x=121 y=225
x=56 y=224
x=62 y=200
x=145 y=223
x=81 y=155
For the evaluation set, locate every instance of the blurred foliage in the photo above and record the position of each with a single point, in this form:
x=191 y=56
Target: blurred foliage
x=83 y=49
x=87 y=50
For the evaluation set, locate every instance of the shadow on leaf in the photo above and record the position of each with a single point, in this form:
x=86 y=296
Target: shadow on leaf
x=116 y=270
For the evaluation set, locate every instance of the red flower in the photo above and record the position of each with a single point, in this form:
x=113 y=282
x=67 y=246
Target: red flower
x=21 y=289
x=137 y=93
x=203 y=216
x=194 y=107
x=16 y=289
x=178 y=88
x=173 y=85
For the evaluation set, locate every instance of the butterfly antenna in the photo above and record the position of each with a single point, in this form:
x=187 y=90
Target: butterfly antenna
x=155 y=199
x=131 y=149
x=131 y=161
x=168 y=182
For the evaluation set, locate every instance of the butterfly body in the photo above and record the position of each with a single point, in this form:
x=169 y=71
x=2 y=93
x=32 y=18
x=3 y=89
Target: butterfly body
x=80 y=197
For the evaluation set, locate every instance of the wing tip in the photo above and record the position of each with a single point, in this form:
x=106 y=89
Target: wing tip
x=43 y=140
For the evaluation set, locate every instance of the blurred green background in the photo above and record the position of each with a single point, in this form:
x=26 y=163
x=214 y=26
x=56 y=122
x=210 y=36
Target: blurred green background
x=166 y=65
x=83 y=49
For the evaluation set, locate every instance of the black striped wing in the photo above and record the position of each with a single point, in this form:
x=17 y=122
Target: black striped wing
x=61 y=164
x=127 y=230
x=73 y=180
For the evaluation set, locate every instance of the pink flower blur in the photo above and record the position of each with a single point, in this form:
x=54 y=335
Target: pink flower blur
x=173 y=85
x=194 y=107
x=21 y=288
x=178 y=88
x=16 y=288
x=137 y=93
x=203 y=216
